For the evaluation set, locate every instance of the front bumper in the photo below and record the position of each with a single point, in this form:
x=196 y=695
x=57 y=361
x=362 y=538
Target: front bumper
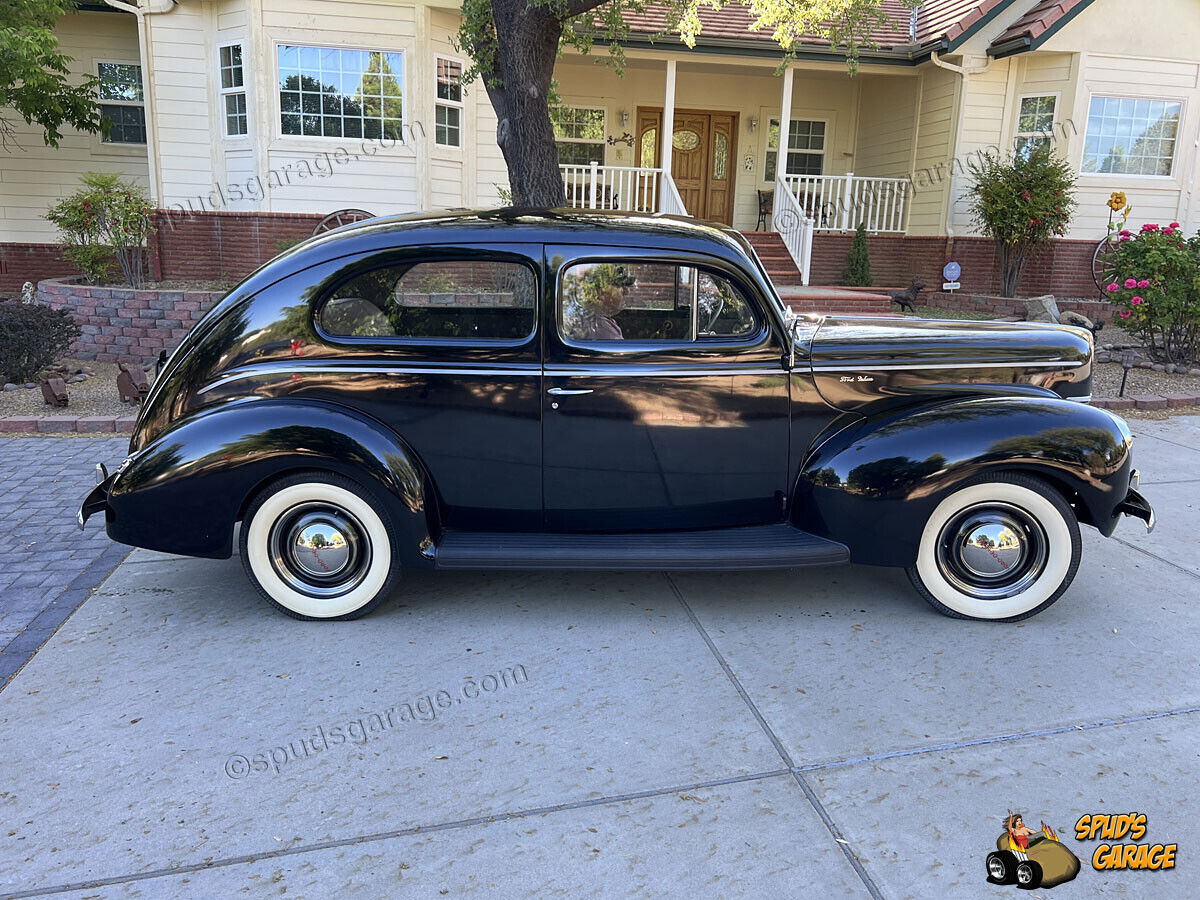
x=1136 y=505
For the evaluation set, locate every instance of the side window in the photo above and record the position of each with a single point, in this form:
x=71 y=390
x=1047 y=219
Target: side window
x=660 y=302
x=443 y=300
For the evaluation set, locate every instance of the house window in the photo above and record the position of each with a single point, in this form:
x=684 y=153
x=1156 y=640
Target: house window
x=449 y=109
x=1127 y=136
x=1035 y=125
x=233 y=90
x=122 y=102
x=579 y=134
x=328 y=92
x=806 y=148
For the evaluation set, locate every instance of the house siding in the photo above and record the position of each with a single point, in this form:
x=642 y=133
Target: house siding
x=886 y=119
x=32 y=175
x=934 y=152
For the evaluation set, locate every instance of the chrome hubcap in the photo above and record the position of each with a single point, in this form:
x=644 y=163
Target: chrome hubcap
x=995 y=868
x=319 y=550
x=992 y=552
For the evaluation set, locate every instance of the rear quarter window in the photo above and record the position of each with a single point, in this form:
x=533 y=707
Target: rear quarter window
x=443 y=300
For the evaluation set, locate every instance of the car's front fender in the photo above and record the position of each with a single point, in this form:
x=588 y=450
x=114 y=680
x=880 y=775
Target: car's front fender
x=183 y=492
x=872 y=485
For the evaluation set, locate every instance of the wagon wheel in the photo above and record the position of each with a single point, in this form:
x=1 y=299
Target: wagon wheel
x=1104 y=263
x=340 y=218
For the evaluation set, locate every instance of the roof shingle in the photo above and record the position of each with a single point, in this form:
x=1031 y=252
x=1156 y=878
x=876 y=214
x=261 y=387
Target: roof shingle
x=937 y=21
x=1043 y=16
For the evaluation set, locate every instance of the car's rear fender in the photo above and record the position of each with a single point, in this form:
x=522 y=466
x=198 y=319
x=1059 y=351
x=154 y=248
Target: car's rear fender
x=184 y=491
x=872 y=485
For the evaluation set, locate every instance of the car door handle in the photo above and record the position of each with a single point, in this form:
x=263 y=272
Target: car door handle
x=567 y=392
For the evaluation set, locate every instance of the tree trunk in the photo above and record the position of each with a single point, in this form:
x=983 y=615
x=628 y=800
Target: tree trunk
x=526 y=49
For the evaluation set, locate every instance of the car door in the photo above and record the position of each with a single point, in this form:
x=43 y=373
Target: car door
x=666 y=403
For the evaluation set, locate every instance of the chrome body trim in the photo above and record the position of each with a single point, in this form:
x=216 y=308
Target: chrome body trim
x=913 y=367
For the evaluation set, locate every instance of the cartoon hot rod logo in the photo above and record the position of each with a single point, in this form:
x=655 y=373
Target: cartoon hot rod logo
x=1030 y=858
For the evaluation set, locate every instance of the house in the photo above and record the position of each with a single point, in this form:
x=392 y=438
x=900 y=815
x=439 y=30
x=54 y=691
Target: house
x=248 y=120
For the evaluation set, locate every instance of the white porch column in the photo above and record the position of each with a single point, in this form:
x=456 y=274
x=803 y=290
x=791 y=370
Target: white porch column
x=668 y=119
x=785 y=123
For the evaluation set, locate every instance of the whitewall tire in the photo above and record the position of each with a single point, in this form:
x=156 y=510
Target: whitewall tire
x=1001 y=549
x=320 y=546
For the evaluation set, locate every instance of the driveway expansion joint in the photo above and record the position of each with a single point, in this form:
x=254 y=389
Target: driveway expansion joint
x=843 y=844
x=411 y=831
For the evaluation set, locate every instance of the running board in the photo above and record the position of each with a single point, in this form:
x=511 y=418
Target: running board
x=724 y=549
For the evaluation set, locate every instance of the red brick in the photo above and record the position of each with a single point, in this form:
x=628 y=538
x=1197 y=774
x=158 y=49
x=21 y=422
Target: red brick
x=18 y=424
x=92 y=424
x=1178 y=401
x=1121 y=402
x=125 y=425
x=55 y=424
x=1150 y=401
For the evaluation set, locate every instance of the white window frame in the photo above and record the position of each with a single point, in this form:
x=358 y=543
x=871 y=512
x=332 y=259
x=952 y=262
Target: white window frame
x=1175 y=159
x=302 y=138
x=459 y=104
x=1050 y=135
x=604 y=129
x=97 y=63
x=223 y=92
x=823 y=152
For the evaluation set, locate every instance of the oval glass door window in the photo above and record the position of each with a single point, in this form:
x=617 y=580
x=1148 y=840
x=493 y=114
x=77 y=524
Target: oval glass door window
x=685 y=140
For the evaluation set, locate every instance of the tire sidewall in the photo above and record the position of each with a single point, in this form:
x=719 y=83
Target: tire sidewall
x=1061 y=549
x=257 y=553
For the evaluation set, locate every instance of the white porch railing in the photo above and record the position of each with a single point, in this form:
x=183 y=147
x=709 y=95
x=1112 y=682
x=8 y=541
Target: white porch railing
x=841 y=202
x=795 y=227
x=625 y=188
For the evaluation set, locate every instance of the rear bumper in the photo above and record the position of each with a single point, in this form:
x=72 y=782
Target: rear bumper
x=97 y=499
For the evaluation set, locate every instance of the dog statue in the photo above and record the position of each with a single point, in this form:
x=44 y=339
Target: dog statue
x=54 y=392
x=1080 y=321
x=132 y=383
x=908 y=297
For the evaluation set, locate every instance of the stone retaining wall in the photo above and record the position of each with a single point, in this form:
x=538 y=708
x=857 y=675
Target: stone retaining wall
x=124 y=325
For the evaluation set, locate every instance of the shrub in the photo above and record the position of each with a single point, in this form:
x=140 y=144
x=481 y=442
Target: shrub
x=32 y=337
x=858 y=261
x=1156 y=287
x=106 y=212
x=1021 y=202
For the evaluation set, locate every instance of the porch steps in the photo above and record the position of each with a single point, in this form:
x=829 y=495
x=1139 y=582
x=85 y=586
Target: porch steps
x=813 y=299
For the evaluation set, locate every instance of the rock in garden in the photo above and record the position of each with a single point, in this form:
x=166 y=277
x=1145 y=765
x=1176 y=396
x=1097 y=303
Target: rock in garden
x=29 y=385
x=1042 y=309
x=76 y=379
x=1159 y=367
x=9 y=386
x=1195 y=373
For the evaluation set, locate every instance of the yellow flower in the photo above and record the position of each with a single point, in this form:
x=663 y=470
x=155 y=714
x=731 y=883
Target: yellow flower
x=1117 y=201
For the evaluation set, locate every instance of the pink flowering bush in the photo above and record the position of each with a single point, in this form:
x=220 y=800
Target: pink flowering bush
x=1155 y=287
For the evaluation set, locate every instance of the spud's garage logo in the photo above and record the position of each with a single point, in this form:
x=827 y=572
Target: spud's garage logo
x=1113 y=855
x=1030 y=858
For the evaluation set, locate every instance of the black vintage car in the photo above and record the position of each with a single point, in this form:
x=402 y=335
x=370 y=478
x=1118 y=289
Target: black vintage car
x=563 y=390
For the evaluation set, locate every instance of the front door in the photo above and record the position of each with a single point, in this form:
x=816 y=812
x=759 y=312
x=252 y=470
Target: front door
x=665 y=405
x=702 y=162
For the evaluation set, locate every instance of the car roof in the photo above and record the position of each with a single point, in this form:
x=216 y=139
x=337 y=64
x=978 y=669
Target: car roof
x=517 y=225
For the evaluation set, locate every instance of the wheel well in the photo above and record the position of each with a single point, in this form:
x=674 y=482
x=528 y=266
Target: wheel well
x=1068 y=493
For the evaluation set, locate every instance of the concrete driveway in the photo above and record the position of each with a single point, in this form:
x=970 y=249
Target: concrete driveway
x=806 y=734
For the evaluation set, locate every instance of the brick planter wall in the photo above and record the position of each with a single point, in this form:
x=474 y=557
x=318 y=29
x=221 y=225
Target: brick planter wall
x=221 y=245
x=1064 y=269
x=1099 y=311
x=124 y=325
x=20 y=263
